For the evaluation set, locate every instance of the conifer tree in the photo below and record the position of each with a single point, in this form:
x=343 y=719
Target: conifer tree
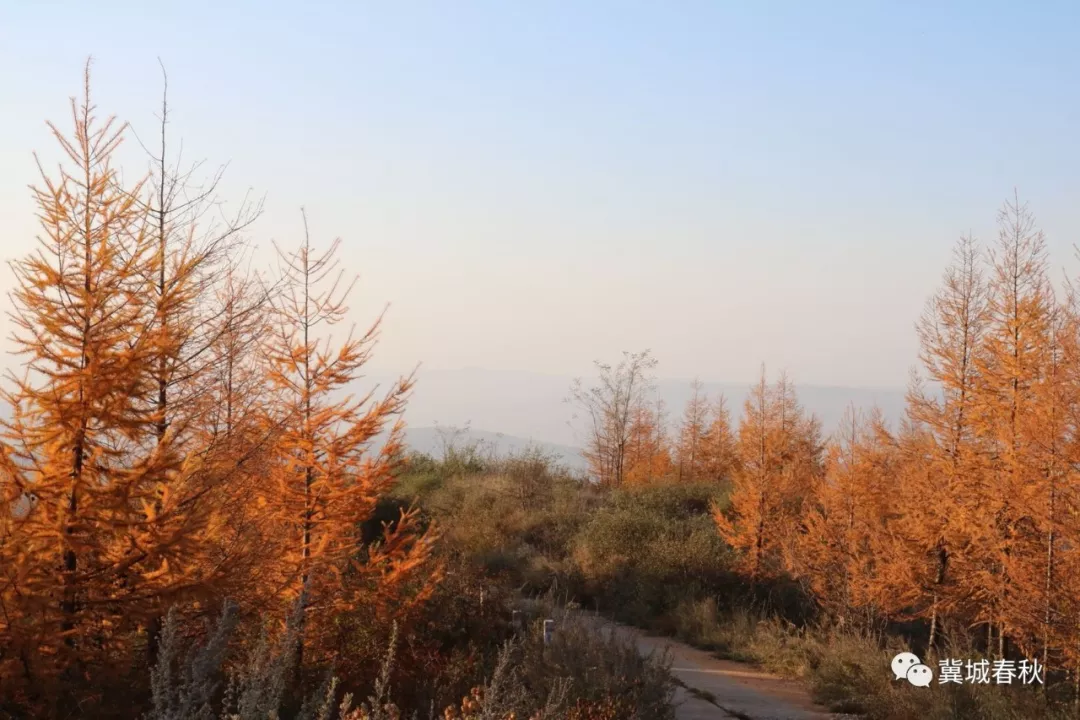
x=831 y=543
x=779 y=458
x=1051 y=434
x=648 y=457
x=846 y=519
x=326 y=477
x=689 y=448
x=800 y=464
x=195 y=253
x=943 y=438
x=113 y=524
x=751 y=521
x=719 y=456
x=1012 y=361
x=1061 y=517
x=232 y=431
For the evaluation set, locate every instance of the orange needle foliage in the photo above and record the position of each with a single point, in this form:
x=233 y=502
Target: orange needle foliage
x=176 y=436
x=945 y=459
x=779 y=458
x=844 y=525
x=648 y=456
x=690 y=458
x=324 y=478
x=969 y=515
x=108 y=513
x=719 y=448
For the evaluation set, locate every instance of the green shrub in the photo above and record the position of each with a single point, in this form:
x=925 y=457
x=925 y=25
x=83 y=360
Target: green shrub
x=648 y=551
x=515 y=519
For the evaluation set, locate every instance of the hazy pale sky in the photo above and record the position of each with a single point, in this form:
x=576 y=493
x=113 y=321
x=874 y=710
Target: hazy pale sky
x=533 y=186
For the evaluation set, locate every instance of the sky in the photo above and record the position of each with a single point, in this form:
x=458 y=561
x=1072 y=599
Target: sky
x=535 y=186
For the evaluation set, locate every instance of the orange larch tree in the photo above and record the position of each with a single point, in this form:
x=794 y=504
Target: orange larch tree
x=326 y=477
x=648 y=457
x=231 y=431
x=1054 y=510
x=1061 y=515
x=944 y=453
x=779 y=458
x=196 y=267
x=800 y=465
x=196 y=252
x=719 y=449
x=847 y=517
x=690 y=439
x=1012 y=362
x=108 y=522
x=752 y=519
x=831 y=542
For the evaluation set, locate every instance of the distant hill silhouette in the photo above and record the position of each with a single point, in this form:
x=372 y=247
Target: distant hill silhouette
x=513 y=408
x=531 y=405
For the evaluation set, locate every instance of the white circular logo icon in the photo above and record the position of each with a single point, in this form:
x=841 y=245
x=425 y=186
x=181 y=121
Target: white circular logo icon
x=908 y=666
x=920 y=675
x=902 y=663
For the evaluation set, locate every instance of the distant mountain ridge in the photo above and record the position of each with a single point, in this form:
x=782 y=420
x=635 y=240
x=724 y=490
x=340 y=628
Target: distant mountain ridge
x=532 y=405
x=513 y=408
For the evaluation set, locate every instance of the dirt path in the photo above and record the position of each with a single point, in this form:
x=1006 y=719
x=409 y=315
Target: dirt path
x=716 y=689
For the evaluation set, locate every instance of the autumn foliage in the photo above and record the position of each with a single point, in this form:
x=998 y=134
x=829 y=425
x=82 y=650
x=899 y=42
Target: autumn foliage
x=181 y=431
x=966 y=515
x=778 y=456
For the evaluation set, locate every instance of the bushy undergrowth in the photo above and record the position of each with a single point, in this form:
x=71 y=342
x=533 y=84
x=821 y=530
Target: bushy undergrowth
x=650 y=556
x=581 y=674
x=848 y=671
x=514 y=519
x=640 y=554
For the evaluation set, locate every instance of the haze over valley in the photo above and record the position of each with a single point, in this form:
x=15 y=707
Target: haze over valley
x=508 y=409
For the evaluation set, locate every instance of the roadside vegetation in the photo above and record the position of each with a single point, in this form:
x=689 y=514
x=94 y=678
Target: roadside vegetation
x=649 y=555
